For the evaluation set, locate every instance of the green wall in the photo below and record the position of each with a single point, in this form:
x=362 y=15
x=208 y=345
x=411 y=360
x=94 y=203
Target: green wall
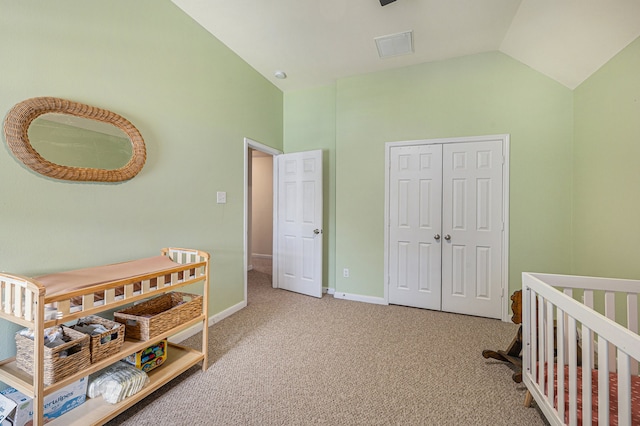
x=474 y=95
x=607 y=169
x=310 y=123
x=192 y=99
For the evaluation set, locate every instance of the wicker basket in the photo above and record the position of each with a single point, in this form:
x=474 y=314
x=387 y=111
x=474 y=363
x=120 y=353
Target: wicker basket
x=104 y=344
x=56 y=367
x=155 y=316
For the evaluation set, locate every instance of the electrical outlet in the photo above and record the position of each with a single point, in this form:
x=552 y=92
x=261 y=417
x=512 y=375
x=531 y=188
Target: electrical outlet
x=345 y=272
x=221 y=197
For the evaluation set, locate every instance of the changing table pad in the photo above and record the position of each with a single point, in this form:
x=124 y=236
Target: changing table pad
x=73 y=280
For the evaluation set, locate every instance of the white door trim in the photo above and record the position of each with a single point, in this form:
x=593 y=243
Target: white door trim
x=505 y=207
x=250 y=143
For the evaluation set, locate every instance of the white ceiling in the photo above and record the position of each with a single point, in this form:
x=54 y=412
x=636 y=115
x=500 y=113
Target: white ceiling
x=317 y=42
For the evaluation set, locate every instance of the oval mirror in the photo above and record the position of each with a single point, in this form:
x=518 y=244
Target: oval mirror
x=73 y=141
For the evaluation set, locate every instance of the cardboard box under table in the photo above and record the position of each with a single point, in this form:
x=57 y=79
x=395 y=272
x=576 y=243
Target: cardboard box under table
x=149 y=358
x=153 y=317
x=55 y=404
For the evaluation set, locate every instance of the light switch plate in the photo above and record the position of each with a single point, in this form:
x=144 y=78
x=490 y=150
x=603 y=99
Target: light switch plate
x=221 y=197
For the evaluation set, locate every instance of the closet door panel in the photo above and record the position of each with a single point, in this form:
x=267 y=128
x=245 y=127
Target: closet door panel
x=472 y=228
x=415 y=194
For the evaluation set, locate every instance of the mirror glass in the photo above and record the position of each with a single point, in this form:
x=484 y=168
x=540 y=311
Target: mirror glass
x=73 y=141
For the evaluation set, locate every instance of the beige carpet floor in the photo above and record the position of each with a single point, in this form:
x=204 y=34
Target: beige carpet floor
x=288 y=359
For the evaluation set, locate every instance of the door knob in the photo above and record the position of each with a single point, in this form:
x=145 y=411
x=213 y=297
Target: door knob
x=317 y=231
x=447 y=237
x=436 y=237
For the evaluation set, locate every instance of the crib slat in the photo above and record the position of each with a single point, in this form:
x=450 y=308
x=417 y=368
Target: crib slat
x=109 y=295
x=160 y=282
x=610 y=312
x=587 y=366
x=146 y=286
x=560 y=361
x=624 y=389
x=573 y=370
x=588 y=298
x=533 y=335
x=63 y=307
x=549 y=337
x=8 y=293
x=603 y=381
x=536 y=318
x=17 y=302
x=632 y=323
x=28 y=305
x=87 y=301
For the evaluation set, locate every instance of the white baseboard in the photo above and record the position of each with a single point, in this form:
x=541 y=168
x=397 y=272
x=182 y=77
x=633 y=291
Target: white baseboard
x=185 y=334
x=262 y=256
x=328 y=290
x=360 y=298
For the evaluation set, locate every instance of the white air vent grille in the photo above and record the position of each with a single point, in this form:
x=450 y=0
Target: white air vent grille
x=395 y=44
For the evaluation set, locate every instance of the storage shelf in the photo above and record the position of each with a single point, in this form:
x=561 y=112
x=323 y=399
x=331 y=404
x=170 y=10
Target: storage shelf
x=191 y=266
x=13 y=376
x=96 y=411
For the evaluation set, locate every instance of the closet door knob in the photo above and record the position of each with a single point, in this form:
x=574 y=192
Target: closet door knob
x=436 y=237
x=447 y=237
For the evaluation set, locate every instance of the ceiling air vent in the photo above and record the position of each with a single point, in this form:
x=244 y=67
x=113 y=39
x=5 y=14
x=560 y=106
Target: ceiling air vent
x=395 y=44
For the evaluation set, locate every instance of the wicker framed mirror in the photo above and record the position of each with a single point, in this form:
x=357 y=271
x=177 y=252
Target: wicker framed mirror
x=23 y=114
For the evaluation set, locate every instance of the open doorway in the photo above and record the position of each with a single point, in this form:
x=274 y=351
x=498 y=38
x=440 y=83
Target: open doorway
x=296 y=217
x=259 y=187
x=260 y=221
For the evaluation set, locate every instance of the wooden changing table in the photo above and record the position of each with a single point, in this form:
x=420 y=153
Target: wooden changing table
x=64 y=297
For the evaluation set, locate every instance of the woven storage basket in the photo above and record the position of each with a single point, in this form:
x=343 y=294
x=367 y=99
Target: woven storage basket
x=104 y=344
x=155 y=316
x=56 y=367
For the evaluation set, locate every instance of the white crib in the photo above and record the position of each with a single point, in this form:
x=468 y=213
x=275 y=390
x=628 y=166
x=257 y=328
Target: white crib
x=586 y=327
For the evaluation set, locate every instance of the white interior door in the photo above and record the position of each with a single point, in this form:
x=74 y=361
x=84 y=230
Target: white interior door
x=472 y=226
x=299 y=222
x=415 y=198
x=446 y=226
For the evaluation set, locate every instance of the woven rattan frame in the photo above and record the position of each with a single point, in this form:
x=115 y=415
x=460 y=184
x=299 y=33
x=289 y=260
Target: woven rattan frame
x=16 y=127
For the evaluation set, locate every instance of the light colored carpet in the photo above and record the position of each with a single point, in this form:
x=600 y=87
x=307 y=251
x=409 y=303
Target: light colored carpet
x=288 y=359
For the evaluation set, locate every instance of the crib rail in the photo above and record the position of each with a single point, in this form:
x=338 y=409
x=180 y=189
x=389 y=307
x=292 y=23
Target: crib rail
x=566 y=338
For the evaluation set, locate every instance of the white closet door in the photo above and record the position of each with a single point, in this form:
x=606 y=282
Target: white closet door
x=415 y=194
x=472 y=226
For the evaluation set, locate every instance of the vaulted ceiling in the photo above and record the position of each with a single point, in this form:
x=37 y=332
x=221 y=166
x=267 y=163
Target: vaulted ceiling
x=316 y=42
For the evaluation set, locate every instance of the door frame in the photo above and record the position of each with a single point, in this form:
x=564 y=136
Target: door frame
x=504 y=138
x=250 y=143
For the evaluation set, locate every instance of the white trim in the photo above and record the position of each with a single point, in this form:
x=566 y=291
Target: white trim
x=250 y=143
x=185 y=334
x=261 y=256
x=505 y=207
x=360 y=298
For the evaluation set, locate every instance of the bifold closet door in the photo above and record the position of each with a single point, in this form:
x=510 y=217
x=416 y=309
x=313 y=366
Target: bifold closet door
x=415 y=196
x=472 y=227
x=445 y=227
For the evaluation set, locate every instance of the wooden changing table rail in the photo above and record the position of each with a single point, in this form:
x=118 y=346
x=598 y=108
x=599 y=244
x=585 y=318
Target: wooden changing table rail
x=91 y=302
